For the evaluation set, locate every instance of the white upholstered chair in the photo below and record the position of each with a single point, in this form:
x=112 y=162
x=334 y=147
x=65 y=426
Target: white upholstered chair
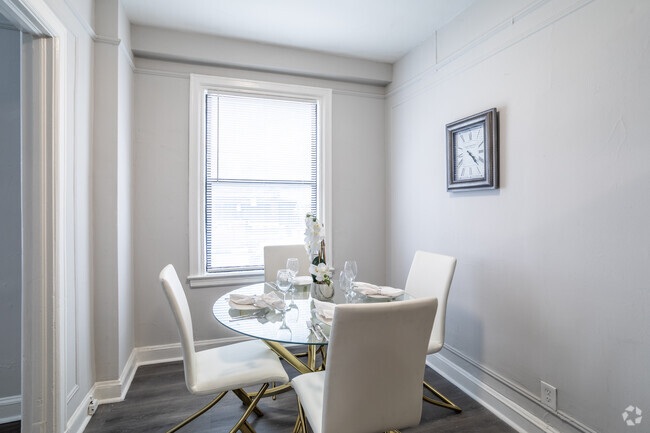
x=431 y=275
x=375 y=368
x=222 y=369
x=275 y=258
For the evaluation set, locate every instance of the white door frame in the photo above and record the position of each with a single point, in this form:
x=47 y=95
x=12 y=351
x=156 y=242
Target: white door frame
x=44 y=276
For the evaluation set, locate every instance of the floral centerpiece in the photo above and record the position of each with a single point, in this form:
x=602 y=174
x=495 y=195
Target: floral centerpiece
x=315 y=245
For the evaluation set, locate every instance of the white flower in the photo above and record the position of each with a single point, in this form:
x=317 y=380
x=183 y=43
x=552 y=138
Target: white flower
x=320 y=272
x=313 y=247
x=314 y=234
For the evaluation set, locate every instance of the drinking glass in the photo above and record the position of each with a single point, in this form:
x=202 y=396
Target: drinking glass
x=284 y=332
x=293 y=266
x=344 y=283
x=346 y=286
x=292 y=313
x=350 y=269
x=283 y=283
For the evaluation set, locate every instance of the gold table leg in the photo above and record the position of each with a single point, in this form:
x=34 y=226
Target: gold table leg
x=312 y=350
x=293 y=361
x=283 y=352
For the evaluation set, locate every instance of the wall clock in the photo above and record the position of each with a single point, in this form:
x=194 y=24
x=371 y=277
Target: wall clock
x=473 y=152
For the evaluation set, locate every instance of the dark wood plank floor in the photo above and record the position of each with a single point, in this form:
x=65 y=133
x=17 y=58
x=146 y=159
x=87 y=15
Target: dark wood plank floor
x=158 y=400
x=10 y=427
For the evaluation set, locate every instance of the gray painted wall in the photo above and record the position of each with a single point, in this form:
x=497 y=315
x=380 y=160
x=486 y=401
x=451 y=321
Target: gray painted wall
x=10 y=215
x=112 y=189
x=161 y=220
x=551 y=281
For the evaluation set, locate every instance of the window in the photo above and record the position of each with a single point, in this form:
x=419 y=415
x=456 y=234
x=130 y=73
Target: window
x=258 y=164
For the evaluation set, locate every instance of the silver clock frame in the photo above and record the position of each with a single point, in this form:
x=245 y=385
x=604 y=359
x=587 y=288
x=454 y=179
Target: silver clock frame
x=490 y=179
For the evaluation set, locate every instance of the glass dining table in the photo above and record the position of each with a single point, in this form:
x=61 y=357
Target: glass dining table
x=298 y=324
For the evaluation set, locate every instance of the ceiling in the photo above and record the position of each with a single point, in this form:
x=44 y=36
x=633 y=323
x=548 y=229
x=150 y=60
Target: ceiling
x=380 y=30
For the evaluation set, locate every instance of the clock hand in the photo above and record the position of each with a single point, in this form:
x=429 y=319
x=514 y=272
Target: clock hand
x=470 y=154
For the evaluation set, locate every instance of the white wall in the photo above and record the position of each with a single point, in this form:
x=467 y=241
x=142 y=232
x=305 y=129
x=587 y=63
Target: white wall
x=551 y=281
x=161 y=184
x=10 y=226
x=72 y=21
x=78 y=369
x=113 y=260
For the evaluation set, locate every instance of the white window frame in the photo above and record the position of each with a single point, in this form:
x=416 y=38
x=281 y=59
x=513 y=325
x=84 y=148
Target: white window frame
x=199 y=86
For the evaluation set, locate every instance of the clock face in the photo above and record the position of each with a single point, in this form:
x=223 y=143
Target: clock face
x=469 y=153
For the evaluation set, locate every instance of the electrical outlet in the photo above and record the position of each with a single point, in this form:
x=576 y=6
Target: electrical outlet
x=549 y=395
x=92 y=406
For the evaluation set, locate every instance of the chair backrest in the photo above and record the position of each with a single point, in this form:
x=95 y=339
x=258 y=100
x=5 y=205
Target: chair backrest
x=375 y=365
x=275 y=258
x=178 y=302
x=431 y=275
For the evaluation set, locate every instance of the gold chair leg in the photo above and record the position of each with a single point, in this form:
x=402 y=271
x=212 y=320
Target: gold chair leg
x=301 y=425
x=446 y=403
x=246 y=428
x=243 y=396
x=249 y=409
x=199 y=413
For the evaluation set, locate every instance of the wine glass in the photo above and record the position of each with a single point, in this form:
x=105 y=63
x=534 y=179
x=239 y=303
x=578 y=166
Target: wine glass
x=350 y=269
x=346 y=285
x=283 y=283
x=284 y=332
x=293 y=266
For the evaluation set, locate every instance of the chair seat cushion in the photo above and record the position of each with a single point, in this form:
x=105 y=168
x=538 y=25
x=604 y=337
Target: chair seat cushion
x=309 y=388
x=434 y=346
x=236 y=366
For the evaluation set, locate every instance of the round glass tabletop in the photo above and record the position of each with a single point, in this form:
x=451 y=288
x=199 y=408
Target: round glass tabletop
x=290 y=326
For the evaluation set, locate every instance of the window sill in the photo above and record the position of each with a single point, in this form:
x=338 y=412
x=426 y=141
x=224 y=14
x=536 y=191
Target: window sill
x=225 y=279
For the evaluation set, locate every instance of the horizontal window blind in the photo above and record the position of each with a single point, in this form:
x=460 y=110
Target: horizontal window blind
x=260 y=176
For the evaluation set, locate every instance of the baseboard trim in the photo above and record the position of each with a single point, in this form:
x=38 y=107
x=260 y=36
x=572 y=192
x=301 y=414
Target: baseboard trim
x=112 y=391
x=80 y=418
x=172 y=352
x=514 y=405
x=10 y=408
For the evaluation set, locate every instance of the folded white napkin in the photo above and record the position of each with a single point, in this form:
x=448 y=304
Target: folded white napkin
x=324 y=311
x=262 y=301
x=372 y=290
